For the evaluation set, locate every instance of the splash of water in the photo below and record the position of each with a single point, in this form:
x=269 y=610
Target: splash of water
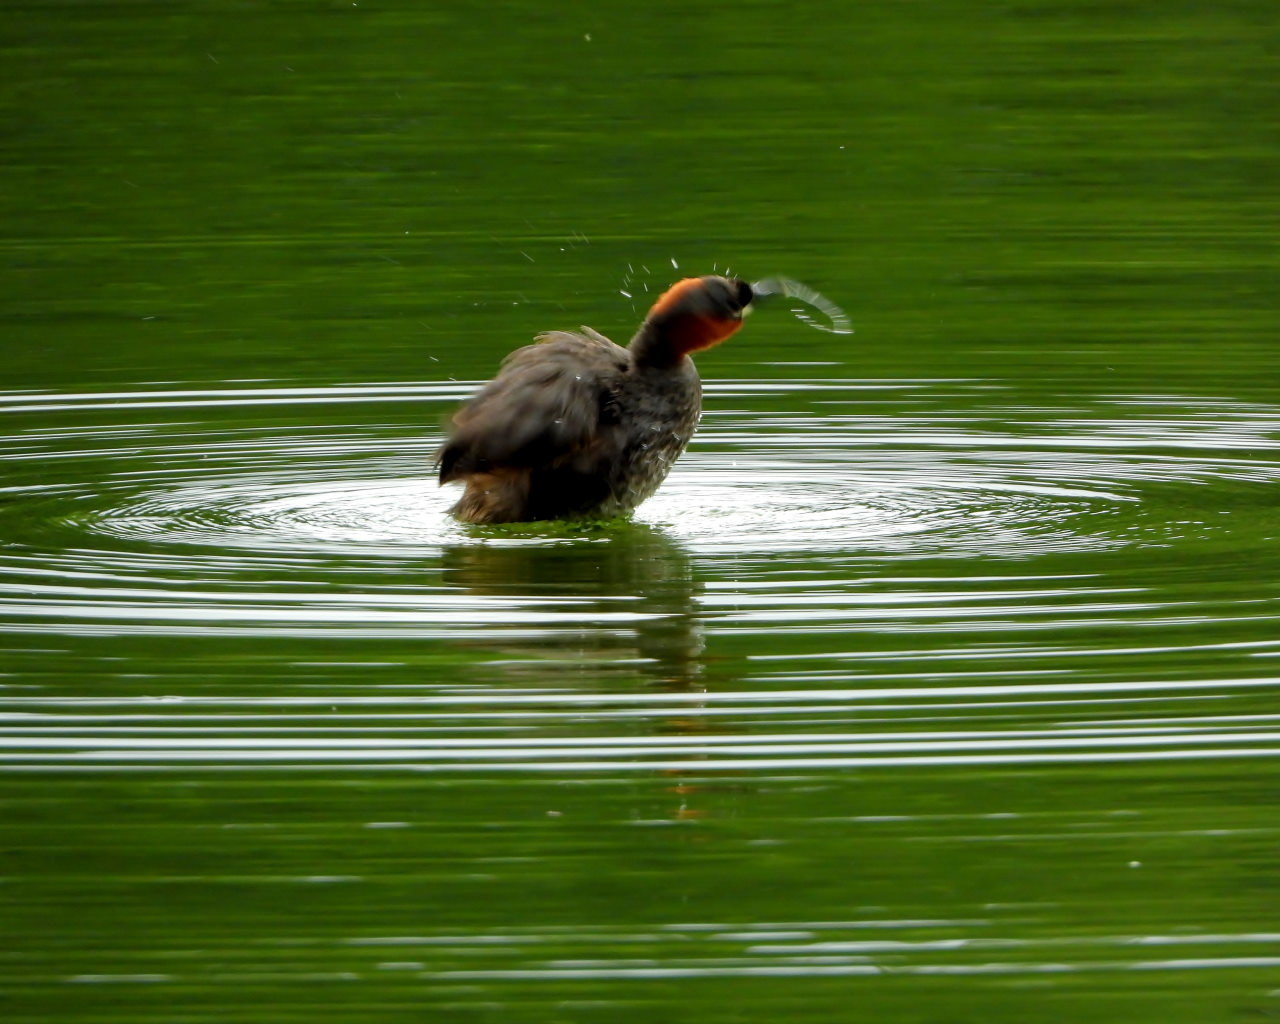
x=838 y=321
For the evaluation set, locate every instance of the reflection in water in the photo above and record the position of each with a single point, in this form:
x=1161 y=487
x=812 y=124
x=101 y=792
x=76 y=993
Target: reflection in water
x=603 y=567
x=627 y=566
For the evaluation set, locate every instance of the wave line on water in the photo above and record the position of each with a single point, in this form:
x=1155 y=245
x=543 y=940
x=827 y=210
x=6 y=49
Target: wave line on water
x=1076 y=688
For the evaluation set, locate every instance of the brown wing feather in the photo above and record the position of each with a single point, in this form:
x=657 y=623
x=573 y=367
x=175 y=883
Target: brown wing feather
x=545 y=407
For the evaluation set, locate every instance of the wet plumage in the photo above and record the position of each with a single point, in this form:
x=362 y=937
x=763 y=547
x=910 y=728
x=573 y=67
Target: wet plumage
x=574 y=425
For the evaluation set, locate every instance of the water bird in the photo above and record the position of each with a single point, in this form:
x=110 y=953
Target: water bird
x=575 y=426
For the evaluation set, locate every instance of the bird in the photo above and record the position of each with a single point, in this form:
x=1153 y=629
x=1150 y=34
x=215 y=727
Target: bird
x=575 y=426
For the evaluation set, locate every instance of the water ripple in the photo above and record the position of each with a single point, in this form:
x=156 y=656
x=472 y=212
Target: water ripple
x=929 y=546
x=812 y=949
x=914 y=481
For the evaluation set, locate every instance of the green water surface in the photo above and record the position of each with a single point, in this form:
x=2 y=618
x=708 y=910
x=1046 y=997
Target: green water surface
x=939 y=682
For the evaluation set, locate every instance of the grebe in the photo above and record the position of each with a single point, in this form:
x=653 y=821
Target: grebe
x=574 y=425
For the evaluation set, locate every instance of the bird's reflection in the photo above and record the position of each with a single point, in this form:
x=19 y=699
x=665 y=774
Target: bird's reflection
x=604 y=569
x=617 y=566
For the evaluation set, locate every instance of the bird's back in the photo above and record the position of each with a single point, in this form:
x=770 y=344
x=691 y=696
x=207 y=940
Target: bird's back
x=568 y=427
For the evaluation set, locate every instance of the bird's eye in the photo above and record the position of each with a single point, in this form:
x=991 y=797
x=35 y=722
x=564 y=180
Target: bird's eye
x=744 y=295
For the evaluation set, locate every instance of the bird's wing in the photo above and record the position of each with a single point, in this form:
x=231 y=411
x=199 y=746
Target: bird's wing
x=550 y=404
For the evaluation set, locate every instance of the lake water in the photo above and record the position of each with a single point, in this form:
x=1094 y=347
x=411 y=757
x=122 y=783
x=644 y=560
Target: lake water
x=939 y=682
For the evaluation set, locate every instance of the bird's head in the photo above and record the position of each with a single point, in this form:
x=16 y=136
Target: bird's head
x=697 y=313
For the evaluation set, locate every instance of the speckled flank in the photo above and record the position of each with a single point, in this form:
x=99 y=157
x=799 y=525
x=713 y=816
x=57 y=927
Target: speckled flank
x=665 y=412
